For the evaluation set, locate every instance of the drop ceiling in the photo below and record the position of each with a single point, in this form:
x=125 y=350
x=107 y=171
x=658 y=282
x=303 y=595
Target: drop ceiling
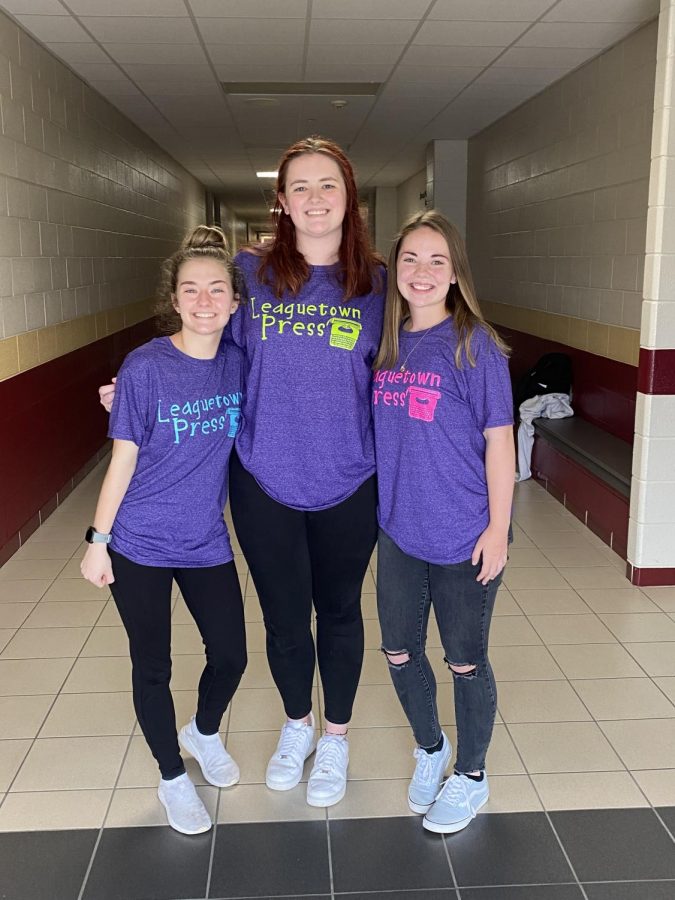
x=446 y=69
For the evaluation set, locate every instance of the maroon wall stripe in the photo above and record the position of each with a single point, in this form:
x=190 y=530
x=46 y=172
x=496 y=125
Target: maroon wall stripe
x=604 y=390
x=649 y=577
x=53 y=426
x=656 y=371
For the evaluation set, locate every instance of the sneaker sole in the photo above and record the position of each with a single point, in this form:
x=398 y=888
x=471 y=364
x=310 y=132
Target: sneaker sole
x=186 y=743
x=176 y=827
x=453 y=827
x=421 y=808
x=331 y=801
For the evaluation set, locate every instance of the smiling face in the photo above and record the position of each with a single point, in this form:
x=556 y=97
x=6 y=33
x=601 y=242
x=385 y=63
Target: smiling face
x=314 y=196
x=424 y=273
x=204 y=298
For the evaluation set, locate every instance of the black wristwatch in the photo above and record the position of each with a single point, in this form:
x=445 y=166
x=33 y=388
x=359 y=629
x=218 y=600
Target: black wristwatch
x=93 y=536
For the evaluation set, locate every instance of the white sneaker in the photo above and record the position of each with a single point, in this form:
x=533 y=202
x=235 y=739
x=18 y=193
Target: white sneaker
x=184 y=809
x=457 y=804
x=429 y=772
x=296 y=742
x=217 y=766
x=328 y=779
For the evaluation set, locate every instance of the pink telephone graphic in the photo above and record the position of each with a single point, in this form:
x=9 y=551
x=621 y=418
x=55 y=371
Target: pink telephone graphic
x=422 y=403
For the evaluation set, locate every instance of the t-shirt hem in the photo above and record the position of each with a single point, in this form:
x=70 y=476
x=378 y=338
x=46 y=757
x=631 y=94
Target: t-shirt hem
x=415 y=552
x=172 y=564
x=328 y=505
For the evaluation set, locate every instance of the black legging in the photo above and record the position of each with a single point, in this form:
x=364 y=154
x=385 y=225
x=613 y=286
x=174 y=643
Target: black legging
x=143 y=598
x=298 y=557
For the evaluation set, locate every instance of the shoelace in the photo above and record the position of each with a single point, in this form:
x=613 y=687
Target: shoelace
x=289 y=744
x=327 y=757
x=453 y=789
x=424 y=769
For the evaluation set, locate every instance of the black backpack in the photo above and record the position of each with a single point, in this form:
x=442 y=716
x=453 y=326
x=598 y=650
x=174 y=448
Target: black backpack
x=552 y=374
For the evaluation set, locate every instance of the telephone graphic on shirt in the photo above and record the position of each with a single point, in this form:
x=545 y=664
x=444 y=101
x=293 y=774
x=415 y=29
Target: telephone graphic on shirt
x=418 y=397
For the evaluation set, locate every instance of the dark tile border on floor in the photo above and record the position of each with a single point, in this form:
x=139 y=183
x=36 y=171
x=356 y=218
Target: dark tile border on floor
x=626 y=854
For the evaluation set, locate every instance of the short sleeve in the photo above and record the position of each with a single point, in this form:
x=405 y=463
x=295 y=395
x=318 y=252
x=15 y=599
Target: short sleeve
x=489 y=384
x=129 y=418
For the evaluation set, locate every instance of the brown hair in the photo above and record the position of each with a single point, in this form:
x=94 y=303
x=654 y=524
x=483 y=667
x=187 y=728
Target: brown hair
x=461 y=301
x=204 y=242
x=284 y=267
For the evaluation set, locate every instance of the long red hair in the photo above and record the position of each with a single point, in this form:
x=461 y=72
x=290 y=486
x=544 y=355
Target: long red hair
x=284 y=268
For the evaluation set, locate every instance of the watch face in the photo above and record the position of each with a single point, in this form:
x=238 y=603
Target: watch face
x=89 y=535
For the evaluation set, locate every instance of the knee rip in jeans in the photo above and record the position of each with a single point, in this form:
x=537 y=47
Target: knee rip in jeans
x=397 y=659
x=459 y=670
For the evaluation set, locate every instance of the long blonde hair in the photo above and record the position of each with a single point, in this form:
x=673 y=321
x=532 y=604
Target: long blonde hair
x=461 y=301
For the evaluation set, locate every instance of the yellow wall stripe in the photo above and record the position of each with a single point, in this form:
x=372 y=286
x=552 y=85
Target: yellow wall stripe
x=611 y=341
x=26 y=351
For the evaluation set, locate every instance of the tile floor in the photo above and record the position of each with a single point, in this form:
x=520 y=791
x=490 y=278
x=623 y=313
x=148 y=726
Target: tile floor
x=584 y=744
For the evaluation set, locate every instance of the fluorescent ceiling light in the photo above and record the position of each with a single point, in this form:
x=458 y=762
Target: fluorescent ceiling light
x=266 y=174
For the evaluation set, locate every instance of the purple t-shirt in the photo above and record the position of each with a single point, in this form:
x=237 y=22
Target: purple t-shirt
x=183 y=414
x=307 y=434
x=429 y=423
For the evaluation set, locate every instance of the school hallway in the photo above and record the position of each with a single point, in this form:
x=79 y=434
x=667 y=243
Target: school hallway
x=582 y=786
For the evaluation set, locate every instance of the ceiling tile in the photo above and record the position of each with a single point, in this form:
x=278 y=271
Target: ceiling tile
x=407 y=90
x=156 y=8
x=540 y=57
x=514 y=94
x=122 y=88
x=54 y=28
x=181 y=89
x=252 y=32
x=504 y=75
x=491 y=10
x=439 y=76
x=249 y=9
x=78 y=52
x=470 y=34
x=100 y=71
x=369 y=9
x=603 y=11
x=169 y=54
x=165 y=72
x=253 y=72
x=272 y=54
x=34 y=7
x=354 y=72
x=433 y=56
x=568 y=34
x=141 y=30
x=362 y=31
x=350 y=54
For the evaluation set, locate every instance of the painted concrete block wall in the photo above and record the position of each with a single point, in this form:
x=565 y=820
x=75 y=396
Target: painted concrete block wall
x=89 y=205
x=557 y=208
x=408 y=200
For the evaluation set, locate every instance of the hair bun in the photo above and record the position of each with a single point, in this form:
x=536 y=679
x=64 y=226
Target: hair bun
x=205 y=236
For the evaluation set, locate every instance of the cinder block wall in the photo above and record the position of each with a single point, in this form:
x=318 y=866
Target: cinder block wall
x=89 y=205
x=557 y=205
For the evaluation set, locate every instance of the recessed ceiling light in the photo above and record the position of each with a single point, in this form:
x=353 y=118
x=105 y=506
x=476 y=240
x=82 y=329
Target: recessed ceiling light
x=266 y=174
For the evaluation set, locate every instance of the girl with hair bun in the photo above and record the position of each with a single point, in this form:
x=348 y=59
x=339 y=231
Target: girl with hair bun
x=159 y=516
x=302 y=478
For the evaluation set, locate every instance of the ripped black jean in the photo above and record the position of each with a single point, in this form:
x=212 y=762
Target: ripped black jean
x=406 y=590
